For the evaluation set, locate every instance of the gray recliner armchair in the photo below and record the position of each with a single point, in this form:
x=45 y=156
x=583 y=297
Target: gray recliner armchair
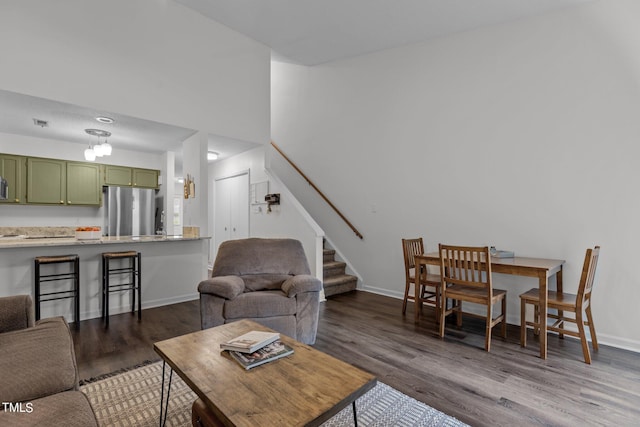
x=265 y=280
x=38 y=371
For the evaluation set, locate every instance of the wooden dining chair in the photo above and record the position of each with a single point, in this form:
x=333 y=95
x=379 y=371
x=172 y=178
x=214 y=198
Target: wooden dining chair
x=466 y=276
x=429 y=293
x=564 y=302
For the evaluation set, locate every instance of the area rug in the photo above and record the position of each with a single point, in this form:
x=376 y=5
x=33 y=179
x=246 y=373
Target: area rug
x=132 y=398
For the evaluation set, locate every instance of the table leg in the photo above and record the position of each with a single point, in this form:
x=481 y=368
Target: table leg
x=542 y=313
x=164 y=408
x=416 y=288
x=355 y=416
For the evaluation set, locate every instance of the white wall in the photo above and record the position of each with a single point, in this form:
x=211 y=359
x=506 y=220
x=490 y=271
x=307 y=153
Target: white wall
x=155 y=60
x=285 y=220
x=523 y=136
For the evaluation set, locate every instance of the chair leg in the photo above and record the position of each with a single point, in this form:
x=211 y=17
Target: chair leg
x=592 y=329
x=487 y=333
x=504 y=317
x=537 y=319
x=523 y=323
x=139 y=286
x=442 y=313
x=459 y=313
x=583 y=337
x=406 y=296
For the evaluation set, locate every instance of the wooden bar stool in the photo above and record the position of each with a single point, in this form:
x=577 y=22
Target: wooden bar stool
x=133 y=269
x=52 y=295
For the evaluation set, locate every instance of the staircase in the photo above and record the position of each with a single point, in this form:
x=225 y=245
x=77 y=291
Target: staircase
x=335 y=280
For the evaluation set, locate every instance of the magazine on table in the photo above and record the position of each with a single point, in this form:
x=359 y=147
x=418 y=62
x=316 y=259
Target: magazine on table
x=268 y=353
x=250 y=342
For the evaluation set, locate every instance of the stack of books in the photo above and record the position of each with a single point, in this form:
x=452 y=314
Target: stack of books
x=256 y=348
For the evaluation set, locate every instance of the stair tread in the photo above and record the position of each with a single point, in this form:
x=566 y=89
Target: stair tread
x=339 y=279
x=329 y=251
x=333 y=264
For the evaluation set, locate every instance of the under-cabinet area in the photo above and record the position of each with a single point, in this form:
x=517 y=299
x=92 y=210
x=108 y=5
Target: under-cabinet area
x=54 y=182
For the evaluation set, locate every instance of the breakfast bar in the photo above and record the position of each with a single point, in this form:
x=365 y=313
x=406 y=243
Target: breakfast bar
x=172 y=267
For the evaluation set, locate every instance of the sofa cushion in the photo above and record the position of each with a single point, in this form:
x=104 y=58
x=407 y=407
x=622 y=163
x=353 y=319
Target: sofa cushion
x=260 y=282
x=259 y=304
x=68 y=409
x=36 y=362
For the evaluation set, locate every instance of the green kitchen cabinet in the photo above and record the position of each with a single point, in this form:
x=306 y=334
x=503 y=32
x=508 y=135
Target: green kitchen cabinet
x=46 y=181
x=147 y=178
x=117 y=175
x=130 y=177
x=83 y=184
x=14 y=170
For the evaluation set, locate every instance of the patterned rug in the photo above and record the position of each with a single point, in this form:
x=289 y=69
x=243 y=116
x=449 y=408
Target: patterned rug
x=132 y=398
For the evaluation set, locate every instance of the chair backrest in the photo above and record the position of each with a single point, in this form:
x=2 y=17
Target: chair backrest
x=588 y=273
x=411 y=248
x=466 y=265
x=261 y=263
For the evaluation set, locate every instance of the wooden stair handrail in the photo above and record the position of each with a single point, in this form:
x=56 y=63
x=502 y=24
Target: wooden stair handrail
x=355 y=230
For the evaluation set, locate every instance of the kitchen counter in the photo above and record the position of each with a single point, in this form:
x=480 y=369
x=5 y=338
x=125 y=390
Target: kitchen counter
x=13 y=242
x=172 y=267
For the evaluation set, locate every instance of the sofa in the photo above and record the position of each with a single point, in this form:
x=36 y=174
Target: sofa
x=38 y=371
x=265 y=280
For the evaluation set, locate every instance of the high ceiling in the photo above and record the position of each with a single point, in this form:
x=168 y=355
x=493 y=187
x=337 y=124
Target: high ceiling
x=312 y=32
x=302 y=31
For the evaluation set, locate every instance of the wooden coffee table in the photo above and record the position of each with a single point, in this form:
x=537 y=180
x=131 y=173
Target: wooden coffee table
x=306 y=388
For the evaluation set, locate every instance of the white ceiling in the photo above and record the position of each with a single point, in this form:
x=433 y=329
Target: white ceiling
x=308 y=32
x=312 y=32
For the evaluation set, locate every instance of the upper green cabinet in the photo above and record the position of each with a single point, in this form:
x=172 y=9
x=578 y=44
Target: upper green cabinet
x=147 y=178
x=83 y=184
x=117 y=175
x=14 y=170
x=46 y=181
x=57 y=182
x=130 y=177
x=42 y=181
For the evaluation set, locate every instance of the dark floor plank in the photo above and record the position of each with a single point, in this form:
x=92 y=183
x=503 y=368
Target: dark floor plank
x=508 y=386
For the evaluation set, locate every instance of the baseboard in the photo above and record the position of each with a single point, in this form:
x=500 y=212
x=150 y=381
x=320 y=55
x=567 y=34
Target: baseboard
x=145 y=304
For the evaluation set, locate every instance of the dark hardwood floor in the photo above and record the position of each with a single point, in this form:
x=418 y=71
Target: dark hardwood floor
x=509 y=386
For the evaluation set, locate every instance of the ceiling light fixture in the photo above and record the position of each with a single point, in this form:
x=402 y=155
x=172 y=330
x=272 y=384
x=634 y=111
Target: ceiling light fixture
x=98 y=150
x=89 y=154
x=104 y=119
x=211 y=155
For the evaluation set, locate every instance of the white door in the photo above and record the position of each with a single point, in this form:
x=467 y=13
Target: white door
x=231 y=209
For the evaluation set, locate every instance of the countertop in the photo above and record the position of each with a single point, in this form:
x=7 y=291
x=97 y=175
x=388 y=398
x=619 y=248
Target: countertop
x=22 y=241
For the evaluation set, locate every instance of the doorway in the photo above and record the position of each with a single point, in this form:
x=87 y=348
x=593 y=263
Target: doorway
x=231 y=209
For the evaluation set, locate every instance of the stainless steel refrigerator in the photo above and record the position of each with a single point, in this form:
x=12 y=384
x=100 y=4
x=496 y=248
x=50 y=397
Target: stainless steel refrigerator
x=129 y=211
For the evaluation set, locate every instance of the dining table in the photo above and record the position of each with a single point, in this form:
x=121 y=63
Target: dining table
x=540 y=268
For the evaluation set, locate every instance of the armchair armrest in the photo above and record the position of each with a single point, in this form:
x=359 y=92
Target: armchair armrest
x=227 y=287
x=301 y=283
x=16 y=312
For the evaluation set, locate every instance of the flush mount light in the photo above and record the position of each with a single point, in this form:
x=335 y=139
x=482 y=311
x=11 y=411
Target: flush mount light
x=212 y=155
x=103 y=119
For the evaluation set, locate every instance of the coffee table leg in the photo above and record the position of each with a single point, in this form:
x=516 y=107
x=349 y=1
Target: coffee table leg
x=164 y=408
x=355 y=416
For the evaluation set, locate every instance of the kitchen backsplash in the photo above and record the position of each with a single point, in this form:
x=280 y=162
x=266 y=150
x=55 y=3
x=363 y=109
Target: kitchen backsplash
x=38 y=231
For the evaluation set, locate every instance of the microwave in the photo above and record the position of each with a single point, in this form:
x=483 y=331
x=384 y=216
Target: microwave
x=4 y=189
